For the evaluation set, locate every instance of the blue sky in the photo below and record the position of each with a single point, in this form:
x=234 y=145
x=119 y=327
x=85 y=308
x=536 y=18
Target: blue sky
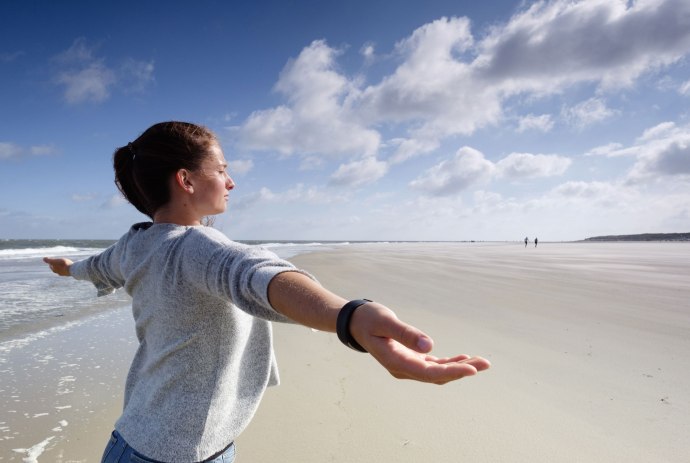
x=376 y=120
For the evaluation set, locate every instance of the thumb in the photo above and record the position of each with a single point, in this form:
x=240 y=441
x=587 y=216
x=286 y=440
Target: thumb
x=409 y=336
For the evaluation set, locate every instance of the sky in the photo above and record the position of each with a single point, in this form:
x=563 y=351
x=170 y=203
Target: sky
x=357 y=120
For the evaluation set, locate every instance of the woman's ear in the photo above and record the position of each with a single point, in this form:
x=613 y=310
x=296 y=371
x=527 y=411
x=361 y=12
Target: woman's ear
x=183 y=180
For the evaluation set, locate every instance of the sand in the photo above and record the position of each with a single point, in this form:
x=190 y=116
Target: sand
x=589 y=344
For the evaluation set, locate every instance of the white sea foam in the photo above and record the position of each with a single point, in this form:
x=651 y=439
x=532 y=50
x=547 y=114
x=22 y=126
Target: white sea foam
x=24 y=253
x=35 y=451
x=8 y=346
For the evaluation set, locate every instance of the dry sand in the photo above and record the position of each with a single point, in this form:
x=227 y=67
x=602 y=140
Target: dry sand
x=589 y=345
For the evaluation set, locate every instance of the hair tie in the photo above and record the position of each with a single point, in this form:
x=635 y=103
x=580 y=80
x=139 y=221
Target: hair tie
x=131 y=150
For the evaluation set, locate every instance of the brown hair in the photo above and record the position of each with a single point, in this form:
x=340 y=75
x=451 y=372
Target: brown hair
x=143 y=167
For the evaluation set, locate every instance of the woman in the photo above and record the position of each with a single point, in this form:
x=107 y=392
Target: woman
x=203 y=304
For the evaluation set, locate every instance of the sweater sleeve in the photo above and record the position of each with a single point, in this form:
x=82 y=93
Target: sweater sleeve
x=103 y=270
x=241 y=274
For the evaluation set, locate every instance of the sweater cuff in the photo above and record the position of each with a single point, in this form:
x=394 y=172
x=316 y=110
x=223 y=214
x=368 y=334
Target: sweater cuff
x=80 y=271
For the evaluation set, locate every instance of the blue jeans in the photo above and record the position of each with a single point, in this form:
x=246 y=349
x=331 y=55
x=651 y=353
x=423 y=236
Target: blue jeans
x=119 y=451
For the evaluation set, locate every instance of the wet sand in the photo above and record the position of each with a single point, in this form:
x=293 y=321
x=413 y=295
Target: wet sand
x=588 y=344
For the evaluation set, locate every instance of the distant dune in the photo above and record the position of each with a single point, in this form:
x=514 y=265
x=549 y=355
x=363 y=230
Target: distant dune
x=643 y=237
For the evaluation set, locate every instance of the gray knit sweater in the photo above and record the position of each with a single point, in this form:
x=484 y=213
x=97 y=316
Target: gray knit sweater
x=205 y=353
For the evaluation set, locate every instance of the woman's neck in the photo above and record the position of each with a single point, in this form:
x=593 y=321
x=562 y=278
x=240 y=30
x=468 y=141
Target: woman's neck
x=178 y=216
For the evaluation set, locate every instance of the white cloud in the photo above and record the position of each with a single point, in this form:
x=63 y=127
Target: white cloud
x=9 y=150
x=432 y=87
x=684 y=88
x=584 y=190
x=449 y=83
x=115 y=201
x=81 y=198
x=240 y=166
x=360 y=172
x=135 y=76
x=86 y=78
x=411 y=147
x=89 y=84
x=661 y=130
x=13 y=151
x=587 y=113
x=368 y=52
x=543 y=123
x=468 y=167
x=299 y=194
x=525 y=165
x=557 y=43
x=610 y=149
x=664 y=158
x=317 y=118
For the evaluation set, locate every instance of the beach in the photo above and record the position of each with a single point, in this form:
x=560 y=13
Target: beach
x=588 y=344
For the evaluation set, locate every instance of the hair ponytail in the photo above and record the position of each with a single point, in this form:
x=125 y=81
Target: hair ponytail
x=123 y=163
x=143 y=168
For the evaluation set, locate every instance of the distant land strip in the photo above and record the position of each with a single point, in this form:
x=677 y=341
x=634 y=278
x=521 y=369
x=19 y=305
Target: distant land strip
x=643 y=237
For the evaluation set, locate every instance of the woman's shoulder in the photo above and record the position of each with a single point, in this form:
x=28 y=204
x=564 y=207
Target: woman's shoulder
x=205 y=236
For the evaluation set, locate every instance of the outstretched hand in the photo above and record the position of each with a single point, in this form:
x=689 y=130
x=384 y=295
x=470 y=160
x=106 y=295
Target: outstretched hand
x=403 y=349
x=59 y=265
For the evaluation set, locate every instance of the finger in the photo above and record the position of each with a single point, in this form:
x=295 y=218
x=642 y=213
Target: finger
x=479 y=363
x=442 y=373
x=404 y=363
x=457 y=358
x=409 y=336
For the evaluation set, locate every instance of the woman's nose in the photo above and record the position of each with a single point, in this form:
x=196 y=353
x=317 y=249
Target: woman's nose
x=229 y=184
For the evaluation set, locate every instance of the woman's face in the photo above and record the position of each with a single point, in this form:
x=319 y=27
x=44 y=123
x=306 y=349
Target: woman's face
x=212 y=183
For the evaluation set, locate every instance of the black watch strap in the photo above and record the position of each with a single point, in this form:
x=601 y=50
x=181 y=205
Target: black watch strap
x=342 y=326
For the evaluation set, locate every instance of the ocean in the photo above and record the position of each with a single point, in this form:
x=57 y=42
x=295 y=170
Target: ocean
x=64 y=352
x=33 y=299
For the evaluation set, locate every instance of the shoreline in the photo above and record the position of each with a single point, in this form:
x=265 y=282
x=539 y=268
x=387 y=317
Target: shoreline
x=587 y=344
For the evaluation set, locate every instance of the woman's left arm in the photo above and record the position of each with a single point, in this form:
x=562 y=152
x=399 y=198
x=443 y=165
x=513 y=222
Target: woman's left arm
x=400 y=348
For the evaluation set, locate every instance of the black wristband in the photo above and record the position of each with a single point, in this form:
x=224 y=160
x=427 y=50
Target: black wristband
x=342 y=326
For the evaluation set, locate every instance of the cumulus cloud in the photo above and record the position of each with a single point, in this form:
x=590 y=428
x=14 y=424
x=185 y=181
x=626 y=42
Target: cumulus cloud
x=605 y=150
x=114 y=201
x=543 y=123
x=524 y=165
x=410 y=147
x=661 y=151
x=447 y=82
x=317 y=117
x=584 y=190
x=10 y=150
x=368 y=52
x=587 y=113
x=433 y=88
x=684 y=88
x=87 y=78
x=552 y=44
x=240 y=166
x=468 y=167
x=297 y=194
x=360 y=172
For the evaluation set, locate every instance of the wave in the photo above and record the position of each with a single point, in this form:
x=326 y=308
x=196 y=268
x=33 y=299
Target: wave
x=24 y=253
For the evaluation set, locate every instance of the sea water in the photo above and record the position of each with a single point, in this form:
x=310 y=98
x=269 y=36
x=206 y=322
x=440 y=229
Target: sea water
x=33 y=299
x=63 y=350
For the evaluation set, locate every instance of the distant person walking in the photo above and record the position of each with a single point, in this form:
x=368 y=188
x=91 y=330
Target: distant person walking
x=526 y=240
x=536 y=240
